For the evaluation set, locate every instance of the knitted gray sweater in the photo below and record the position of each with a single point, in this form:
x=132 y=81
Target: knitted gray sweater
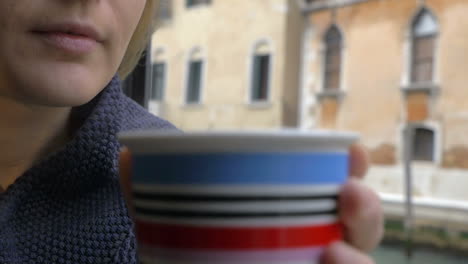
x=69 y=208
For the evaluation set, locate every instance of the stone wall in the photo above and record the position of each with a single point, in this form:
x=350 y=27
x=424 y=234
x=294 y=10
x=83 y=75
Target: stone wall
x=375 y=72
x=226 y=33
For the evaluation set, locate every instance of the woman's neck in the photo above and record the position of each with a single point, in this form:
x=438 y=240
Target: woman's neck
x=28 y=134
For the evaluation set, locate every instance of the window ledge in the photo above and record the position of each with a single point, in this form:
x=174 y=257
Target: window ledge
x=425 y=164
x=337 y=94
x=418 y=164
x=260 y=105
x=326 y=4
x=192 y=106
x=428 y=87
x=157 y=107
x=156 y=103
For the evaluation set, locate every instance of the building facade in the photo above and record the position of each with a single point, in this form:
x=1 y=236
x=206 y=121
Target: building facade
x=382 y=66
x=230 y=64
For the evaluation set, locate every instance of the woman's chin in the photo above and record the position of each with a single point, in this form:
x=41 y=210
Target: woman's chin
x=63 y=88
x=68 y=94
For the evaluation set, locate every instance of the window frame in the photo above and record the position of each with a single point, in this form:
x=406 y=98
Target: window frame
x=254 y=52
x=414 y=39
x=195 y=54
x=190 y=84
x=438 y=147
x=407 y=85
x=324 y=62
x=260 y=87
x=164 y=83
x=414 y=147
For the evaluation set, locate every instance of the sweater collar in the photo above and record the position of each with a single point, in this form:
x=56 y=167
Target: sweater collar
x=91 y=153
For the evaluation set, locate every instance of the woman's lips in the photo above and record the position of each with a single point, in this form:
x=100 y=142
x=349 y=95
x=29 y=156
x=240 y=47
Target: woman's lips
x=68 y=42
x=70 y=37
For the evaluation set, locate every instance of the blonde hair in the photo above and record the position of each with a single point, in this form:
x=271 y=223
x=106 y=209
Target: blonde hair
x=140 y=39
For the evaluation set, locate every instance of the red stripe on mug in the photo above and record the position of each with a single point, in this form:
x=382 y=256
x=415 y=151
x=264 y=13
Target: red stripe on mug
x=235 y=238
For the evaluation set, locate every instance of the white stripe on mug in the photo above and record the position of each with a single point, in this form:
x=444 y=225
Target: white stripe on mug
x=241 y=256
x=240 y=190
x=248 y=221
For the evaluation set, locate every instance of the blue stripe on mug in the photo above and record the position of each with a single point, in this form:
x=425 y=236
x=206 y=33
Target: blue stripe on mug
x=241 y=168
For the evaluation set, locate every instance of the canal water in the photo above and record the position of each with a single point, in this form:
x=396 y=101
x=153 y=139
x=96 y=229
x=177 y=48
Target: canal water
x=387 y=254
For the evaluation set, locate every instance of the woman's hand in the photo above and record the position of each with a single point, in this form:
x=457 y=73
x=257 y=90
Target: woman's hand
x=360 y=212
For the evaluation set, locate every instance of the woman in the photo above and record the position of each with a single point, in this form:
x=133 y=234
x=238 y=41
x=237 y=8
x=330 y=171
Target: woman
x=61 y=106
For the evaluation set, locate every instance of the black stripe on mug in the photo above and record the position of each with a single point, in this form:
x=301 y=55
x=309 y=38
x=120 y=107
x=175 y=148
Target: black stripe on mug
x=218 y=198
x=212 y=214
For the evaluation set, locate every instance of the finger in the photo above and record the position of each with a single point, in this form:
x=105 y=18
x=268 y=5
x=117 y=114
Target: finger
x=125 y=170
x=361 y=213
x=359 y=161
x=340 y=253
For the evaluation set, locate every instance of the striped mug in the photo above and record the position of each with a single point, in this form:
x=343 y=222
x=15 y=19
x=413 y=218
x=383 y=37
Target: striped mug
x=236 y=197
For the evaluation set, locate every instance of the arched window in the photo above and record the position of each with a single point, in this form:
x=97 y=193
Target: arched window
x=423 y=144
x=261 y=72
x=158 y=79
x=332 y=64
x=195 y=77
x=424 y=36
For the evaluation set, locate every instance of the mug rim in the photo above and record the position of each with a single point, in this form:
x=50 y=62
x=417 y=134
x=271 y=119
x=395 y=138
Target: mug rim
x=164 y=141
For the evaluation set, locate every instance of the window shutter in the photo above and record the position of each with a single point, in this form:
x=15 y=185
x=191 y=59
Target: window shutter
x=194 y=82
x=423 y=59
x=256 y=82
x=264 y=76
x=332 y=72
x=260 y=78
x=159 y=81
